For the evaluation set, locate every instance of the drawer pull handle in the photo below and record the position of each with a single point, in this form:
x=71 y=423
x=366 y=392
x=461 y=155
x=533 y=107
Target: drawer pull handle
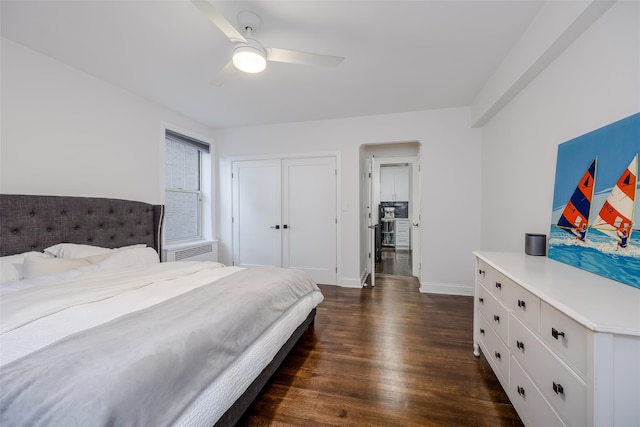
x=522 y=304
x=498 y=356
x=520 y=345
x=555 y=333
x=481 y=331
x=498 y=285
x=496 y=318
x=557 y=388
x=481 y=300
x=520 y=391
x=481 y=272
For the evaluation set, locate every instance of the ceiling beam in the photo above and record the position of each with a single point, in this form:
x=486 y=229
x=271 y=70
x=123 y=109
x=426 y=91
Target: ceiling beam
x=556 y=27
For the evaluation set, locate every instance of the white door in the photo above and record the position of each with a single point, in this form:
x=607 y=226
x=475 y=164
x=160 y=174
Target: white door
x=373 y=221
x=416 y=218
x=284 y=215
x=309 y=217
x=256 y=213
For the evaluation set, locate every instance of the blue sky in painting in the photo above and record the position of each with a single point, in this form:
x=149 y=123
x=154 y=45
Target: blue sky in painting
x=614 y=145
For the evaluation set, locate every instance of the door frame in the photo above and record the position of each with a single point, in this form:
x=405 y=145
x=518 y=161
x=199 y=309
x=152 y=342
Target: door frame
x=414 y=205
x=284 y=156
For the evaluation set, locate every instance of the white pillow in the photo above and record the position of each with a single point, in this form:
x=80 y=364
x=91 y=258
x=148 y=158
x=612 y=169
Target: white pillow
x=35 y=266
x=75 y=250
x=55 y=270
x=11 y=267
x=134 y=257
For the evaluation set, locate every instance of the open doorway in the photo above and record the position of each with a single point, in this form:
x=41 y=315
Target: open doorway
x=390 y=209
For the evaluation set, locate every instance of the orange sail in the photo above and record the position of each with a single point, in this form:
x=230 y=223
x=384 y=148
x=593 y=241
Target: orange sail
x=576 y=212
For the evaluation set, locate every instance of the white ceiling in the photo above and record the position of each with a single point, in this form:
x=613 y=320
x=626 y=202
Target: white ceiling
x=399 y=55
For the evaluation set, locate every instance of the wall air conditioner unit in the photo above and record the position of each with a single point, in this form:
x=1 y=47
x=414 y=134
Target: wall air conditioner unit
x=200 y=251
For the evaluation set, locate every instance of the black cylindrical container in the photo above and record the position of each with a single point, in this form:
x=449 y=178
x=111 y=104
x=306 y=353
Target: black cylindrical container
x=535 y=244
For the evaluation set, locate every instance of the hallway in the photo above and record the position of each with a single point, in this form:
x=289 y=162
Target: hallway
x=394 y=262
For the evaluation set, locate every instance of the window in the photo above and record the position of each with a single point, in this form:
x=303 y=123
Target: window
x=183 y=187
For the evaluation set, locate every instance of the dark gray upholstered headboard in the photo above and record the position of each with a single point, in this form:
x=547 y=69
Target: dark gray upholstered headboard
x=33 y=223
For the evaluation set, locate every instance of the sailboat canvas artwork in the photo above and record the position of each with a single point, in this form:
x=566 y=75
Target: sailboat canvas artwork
x=595 y=223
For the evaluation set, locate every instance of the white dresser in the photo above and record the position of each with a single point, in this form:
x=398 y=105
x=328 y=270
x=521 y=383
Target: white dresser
x=564 y=343
x=402 y=234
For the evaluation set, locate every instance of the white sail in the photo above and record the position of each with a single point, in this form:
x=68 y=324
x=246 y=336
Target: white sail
x=617 y=211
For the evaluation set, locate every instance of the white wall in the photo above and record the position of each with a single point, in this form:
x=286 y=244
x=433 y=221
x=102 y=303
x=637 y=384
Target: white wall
x=65 y=132
x=594 y=82
x=450 y=153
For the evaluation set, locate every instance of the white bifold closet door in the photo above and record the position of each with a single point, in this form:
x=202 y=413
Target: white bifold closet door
x=284 y=215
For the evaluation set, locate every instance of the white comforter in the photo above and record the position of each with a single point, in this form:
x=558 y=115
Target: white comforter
x=37 y=319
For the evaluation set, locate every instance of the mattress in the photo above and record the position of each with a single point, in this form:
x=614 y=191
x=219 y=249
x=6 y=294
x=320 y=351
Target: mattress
x=213 y=402
x=51 y=322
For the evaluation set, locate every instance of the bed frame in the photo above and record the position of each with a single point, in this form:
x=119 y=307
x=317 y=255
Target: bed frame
x=233 y=414
x=33 y=223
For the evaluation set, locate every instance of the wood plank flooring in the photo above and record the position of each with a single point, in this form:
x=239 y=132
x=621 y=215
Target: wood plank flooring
x=387 y=356
x=396 y=262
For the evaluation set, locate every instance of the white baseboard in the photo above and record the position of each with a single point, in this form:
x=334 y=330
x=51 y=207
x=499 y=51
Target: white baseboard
x=446 y=289
x=363 y=277
x=346 y=282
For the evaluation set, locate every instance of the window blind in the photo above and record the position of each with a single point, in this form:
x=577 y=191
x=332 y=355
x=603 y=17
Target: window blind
x=178 y=137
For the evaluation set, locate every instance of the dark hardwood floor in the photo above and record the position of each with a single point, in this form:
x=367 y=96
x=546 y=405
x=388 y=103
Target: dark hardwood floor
x=396 y=262
x=385 y=356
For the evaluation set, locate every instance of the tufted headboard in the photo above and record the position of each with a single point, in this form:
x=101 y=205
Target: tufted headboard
x=33 y=223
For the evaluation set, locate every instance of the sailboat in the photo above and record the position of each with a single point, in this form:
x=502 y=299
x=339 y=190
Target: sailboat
x=616 y=215
x=575 y=217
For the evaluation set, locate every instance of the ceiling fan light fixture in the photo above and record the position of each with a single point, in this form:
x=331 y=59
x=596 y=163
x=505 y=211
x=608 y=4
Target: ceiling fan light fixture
x=249 y=59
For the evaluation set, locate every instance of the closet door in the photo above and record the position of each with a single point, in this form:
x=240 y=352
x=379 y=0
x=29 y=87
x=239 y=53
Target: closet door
x=284 y=215
x=256 y=213
x=309 y=217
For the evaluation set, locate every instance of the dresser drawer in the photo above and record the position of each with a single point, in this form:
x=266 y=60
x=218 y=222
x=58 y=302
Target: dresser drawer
x=402 y=240
x=562 y=388
x=402 y=224
x=404 y=235
x=528 y=400
x=494 y=312
x=402 y=227
x=494 y=350
x=565 y=336
x=523 y=304
x=500 y=284
x=483 y=272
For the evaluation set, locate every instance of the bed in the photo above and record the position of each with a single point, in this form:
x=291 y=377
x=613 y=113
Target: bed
x=96 y=331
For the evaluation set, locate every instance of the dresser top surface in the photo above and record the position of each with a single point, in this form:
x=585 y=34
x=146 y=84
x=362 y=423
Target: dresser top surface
x=600 y=304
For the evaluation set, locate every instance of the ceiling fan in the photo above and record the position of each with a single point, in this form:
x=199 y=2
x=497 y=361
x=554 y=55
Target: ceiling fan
x=248 y=54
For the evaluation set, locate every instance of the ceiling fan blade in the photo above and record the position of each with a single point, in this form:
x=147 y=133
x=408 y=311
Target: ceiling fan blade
x=223 y=74
x=304 y=58
x=218 y=18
